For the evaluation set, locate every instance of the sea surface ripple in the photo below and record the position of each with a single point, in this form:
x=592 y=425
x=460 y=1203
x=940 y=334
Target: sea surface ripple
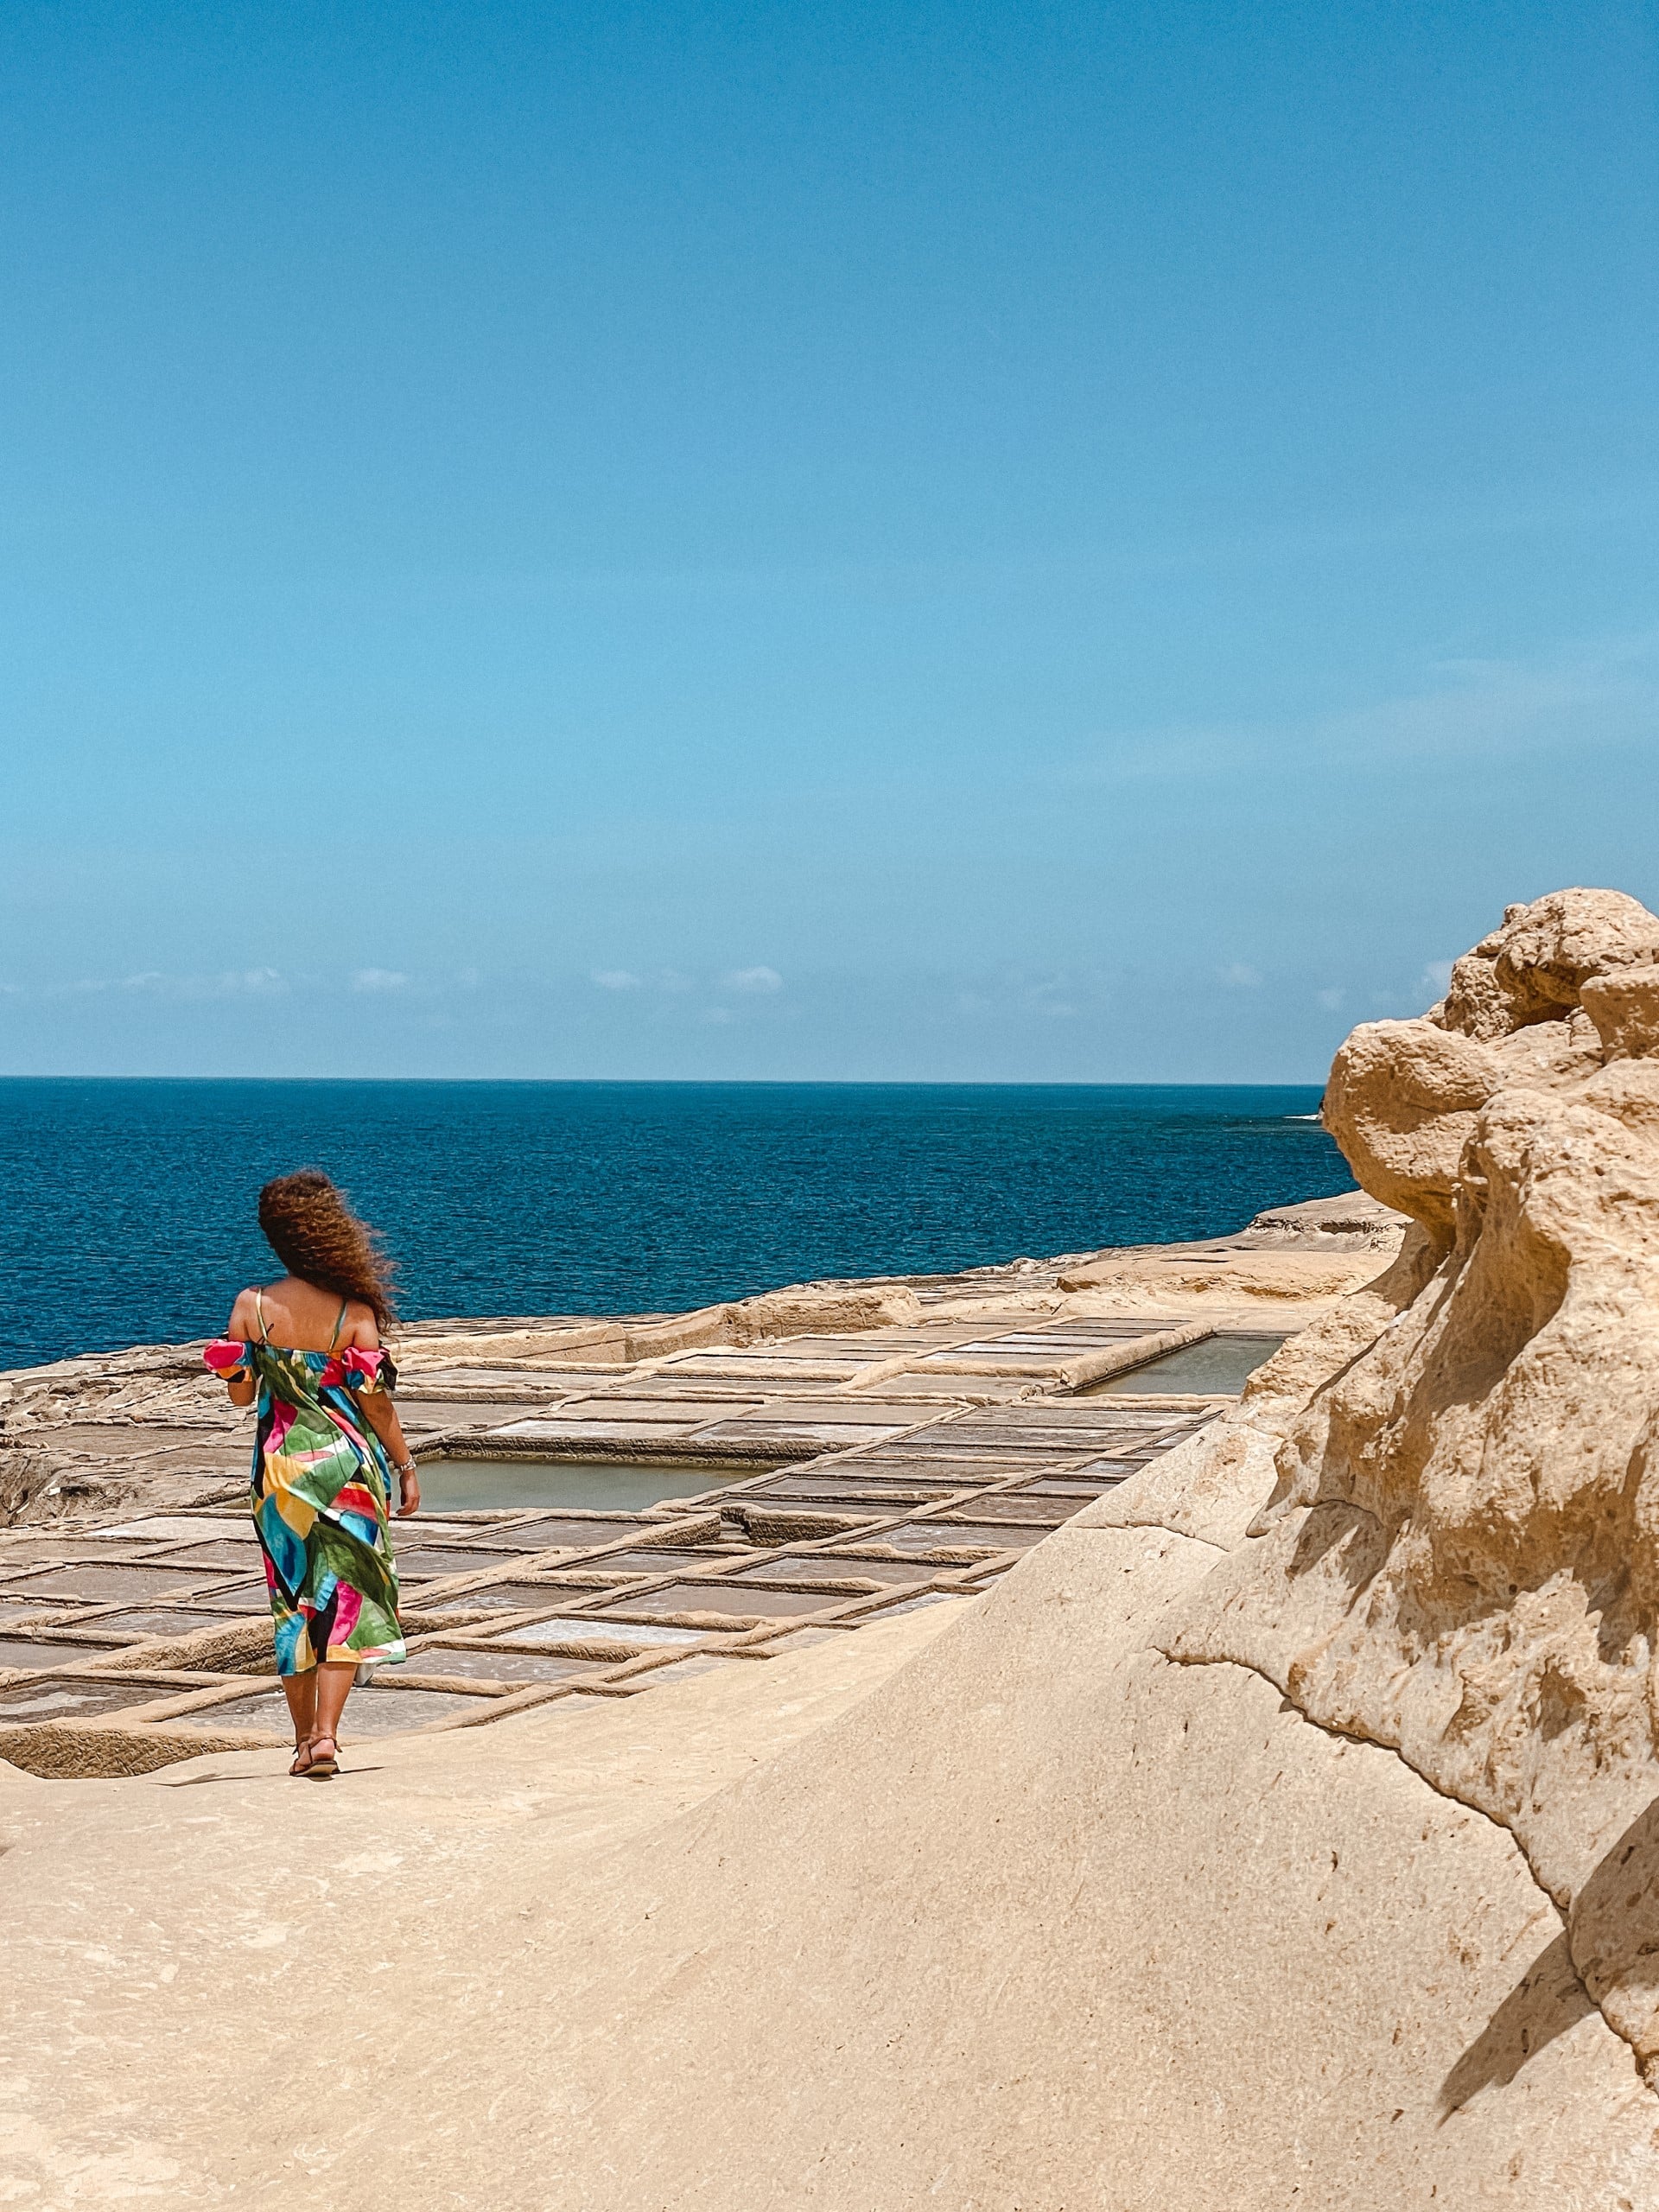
x=129 y=1206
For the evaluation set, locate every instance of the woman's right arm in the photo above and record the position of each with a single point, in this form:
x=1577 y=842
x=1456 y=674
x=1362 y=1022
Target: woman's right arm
x=243 y=1389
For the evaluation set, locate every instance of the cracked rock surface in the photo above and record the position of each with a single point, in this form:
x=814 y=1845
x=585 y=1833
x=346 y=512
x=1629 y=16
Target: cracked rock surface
x=1460 y=1557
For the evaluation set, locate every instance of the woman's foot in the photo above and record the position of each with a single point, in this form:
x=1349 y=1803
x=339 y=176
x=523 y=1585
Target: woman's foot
x=325 y=1759
x=301 y=1756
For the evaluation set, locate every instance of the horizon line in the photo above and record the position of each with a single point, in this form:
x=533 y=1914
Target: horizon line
x=715 y=1082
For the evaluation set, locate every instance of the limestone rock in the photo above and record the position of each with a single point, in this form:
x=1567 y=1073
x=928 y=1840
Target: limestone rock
x=1460 y=1560
x=1624 y=1007
x=1349 y=1223
x=1401 y=1101
x=1535 y=966
x=809 y=1307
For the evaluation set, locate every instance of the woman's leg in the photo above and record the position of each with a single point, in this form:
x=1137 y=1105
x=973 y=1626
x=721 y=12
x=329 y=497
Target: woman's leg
x=334 y=1680
x=301 y=1691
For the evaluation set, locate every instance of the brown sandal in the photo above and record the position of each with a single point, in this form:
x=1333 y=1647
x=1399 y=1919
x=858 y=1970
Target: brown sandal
x=324 y=1766
x=302 y=1751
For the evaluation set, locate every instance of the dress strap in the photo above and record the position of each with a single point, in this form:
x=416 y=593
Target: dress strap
x=259 y=1309
x=339 y=1318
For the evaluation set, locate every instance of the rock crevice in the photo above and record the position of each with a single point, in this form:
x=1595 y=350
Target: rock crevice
x=1557 y=1965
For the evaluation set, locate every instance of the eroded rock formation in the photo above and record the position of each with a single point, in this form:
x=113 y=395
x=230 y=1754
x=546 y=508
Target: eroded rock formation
x=1460 y=1557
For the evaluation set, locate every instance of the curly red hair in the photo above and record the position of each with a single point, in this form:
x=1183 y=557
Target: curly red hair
x=315 y=1235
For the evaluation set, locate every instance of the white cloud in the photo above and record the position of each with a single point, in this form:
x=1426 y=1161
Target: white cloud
x=1437 y=976
x=1242 y=976
x=1602 y=692
x=379 y=979
x=229 y=983
x=1331 y=999
x=615 y=979
x=753 y=979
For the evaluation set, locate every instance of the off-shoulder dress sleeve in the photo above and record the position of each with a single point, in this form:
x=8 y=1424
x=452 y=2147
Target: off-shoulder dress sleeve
x=368 y=1372
x=230 y=1359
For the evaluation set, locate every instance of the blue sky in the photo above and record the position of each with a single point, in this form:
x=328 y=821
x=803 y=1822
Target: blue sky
x=915 y=541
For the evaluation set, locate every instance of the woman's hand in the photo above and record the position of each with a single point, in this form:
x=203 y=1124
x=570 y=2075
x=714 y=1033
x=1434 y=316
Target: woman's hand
x=409 y=1486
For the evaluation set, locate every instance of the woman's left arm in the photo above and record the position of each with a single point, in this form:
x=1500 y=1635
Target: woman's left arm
x=382 y=1416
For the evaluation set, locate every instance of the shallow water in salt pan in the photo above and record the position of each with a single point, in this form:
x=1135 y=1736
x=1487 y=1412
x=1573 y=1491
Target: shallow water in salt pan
x=1218 y=1363
x=456 y=1485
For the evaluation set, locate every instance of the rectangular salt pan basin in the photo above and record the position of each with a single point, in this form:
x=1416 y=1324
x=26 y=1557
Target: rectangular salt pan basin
x=552 y=1535
x=733 y=1598
x=831 y=1567
x=454 y=1485
x=1217 y=1364
x=501 y=1666
x=17 y=1651
x=577 y=1630
x=28 y=1615
x=419 y=1562
x=946 y=1537
x=368 y=1712
x=179 y=1528
x=97 y=1584
x=62 y=1698
x=495 y=1597
x=205 y=1560
x=158 y=1620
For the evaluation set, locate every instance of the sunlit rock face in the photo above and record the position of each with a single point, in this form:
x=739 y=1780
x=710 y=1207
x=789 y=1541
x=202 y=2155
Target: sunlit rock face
x=1460 y=1559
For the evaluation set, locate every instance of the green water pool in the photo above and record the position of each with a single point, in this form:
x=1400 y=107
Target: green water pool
x=456 y=1485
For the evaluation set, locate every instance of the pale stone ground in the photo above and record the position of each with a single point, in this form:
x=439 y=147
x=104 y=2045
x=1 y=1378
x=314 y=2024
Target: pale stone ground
x=991 y=1906
x=216 y=1977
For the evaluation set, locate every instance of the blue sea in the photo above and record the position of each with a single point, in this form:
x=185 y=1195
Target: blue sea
x=127 y=1208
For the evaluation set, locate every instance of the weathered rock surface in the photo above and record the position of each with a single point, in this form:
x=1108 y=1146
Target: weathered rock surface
x=1535 y=966
x=1461 y=1557
x=1351 y=1222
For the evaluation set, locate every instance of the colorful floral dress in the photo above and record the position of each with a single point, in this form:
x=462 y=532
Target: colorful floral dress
x=321 y=1488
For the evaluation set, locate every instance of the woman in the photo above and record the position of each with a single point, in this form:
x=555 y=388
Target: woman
x=327 y=1444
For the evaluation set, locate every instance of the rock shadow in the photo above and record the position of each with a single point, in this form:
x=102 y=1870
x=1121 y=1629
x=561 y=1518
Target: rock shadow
x=1545 y=2003
x=1336 y=1529
x=1615 y=1927
x=1611 y=1965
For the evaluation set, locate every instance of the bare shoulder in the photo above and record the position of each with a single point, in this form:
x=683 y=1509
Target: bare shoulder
x=240 y=1327
x=360 y=1325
